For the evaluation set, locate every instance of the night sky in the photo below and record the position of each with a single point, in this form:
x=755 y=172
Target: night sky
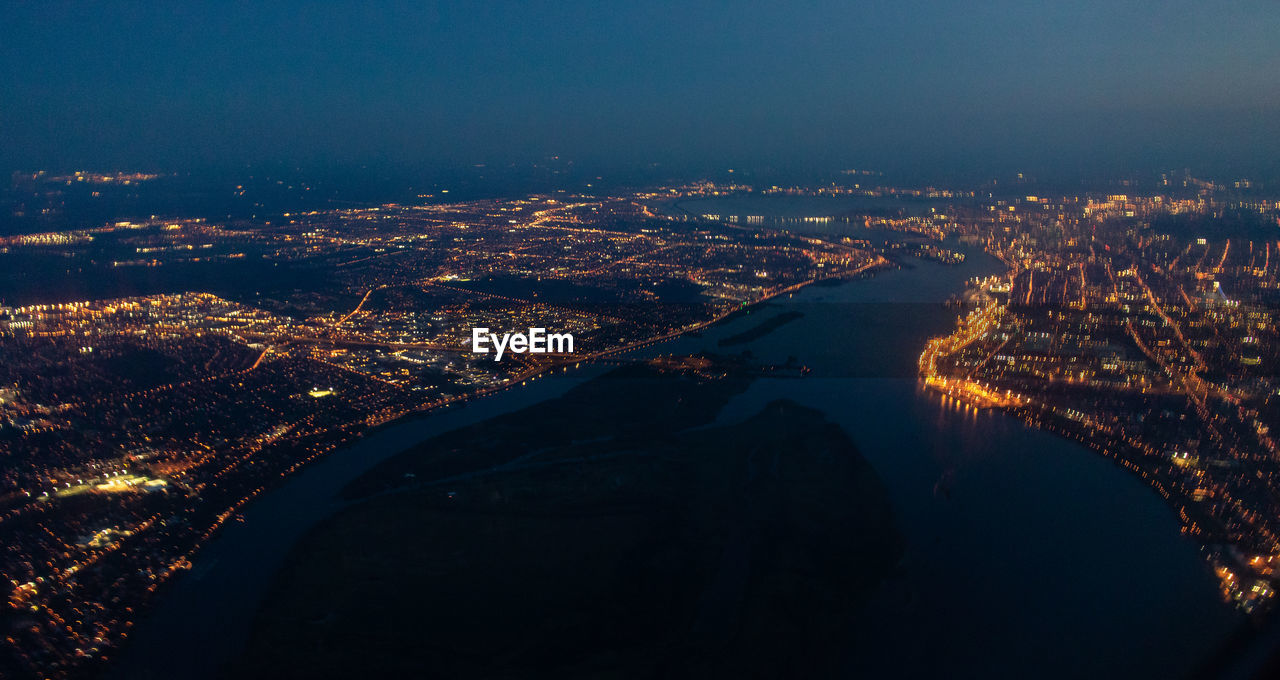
x=1094 y=86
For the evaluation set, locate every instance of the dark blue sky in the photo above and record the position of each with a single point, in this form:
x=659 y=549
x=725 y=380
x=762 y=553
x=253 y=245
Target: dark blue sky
x=1091 y=87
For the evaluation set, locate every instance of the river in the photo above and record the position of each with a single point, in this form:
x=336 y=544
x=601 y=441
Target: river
x=1026 y=554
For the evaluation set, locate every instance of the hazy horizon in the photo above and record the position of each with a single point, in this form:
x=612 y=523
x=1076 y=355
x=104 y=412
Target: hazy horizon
x=937 y=89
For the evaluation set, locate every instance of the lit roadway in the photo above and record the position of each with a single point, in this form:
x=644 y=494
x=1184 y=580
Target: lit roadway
x=355 y=311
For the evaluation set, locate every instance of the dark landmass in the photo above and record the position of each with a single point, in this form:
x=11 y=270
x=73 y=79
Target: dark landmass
x=761 y=329
x=600 y=534
x=625 y=404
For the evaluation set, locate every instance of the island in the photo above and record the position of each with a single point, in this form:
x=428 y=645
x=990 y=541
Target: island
x=761 y=329
x=647 y=540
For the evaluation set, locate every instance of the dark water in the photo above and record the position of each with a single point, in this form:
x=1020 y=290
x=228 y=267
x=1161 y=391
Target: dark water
x=1026 y=555
x=29 y=279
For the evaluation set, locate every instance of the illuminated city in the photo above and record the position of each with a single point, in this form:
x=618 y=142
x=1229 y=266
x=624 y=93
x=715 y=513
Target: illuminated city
x=632 y=341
